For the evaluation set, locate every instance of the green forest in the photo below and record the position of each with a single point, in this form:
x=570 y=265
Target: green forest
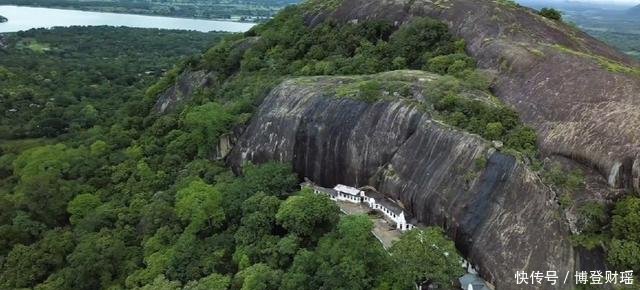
x=66 y=80
x=628 y=43
x=98 y=192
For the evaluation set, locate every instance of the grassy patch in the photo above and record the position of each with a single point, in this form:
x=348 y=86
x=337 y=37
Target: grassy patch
x=33 y=45
x=320 y=5
x=560 y=178
x=480 y=163
x=461 y=101
x=508 y=3
x=442 y=4
x=610 y=65
x=373 y=90
x=19 y=145
x=537 y=52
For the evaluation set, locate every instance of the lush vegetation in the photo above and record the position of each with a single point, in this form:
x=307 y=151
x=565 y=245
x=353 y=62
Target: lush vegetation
x=566 y=184
x=60 y=81
x=368 y=48
x=628 y=43
x=253 y=10
x=624 y=252
x=616 y=27
x=490 y=119
x=551 y=13
x=112 y=196
x=617 y=232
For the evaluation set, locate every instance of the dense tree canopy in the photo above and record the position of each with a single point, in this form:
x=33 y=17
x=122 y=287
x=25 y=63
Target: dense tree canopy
x=66 y=80
x=425 y=255
x=624 y=252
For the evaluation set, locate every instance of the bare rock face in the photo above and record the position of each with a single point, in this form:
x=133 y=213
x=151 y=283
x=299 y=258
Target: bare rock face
x=182 y=90
x=582 y=96
x=501 y=216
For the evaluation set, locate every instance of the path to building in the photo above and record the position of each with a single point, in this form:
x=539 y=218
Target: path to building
x=383 y=230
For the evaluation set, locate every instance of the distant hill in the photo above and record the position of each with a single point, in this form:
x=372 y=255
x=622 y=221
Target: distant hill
x=635 y=10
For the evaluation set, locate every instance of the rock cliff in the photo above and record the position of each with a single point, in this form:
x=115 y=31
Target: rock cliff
x=499 y=214
x=582 y=96
x=182 y=90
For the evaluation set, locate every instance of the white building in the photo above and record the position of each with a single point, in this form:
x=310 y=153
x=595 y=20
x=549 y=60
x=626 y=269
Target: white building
x=375 y=201
x=349 y=194
x=390 y=209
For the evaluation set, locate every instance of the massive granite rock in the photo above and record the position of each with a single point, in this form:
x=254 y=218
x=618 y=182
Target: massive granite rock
x=501 y=216
x=582 y=96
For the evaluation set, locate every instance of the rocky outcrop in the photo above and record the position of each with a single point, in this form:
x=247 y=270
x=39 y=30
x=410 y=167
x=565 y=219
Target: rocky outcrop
x=501 y=216
x=224 y=146
x=582 y=96
x=182 y=90
x=190 y=81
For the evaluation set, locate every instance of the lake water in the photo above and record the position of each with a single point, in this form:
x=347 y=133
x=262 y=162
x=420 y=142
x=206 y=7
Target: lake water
x=24 y=18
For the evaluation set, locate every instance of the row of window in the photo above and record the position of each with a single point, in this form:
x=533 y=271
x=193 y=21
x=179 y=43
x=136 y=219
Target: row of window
x=376 y=206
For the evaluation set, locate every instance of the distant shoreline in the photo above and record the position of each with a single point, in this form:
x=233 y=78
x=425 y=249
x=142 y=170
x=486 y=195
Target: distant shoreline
x=127 y=13
x=40 y=17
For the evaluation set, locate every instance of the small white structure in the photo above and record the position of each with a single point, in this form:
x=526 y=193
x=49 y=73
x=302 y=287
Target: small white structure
x=375 y=201
x=333 y=195
x=472 y=282
x=349 y=194
x=390 y=209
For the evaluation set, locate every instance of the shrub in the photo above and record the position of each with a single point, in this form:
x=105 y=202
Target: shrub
x=569 y=181
x=593 y=217
x=421 y=39
x=480 y=162
x=369 y=91
x=450 y=64
x=522 y=139
x=493 y=131
x=551 y=13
